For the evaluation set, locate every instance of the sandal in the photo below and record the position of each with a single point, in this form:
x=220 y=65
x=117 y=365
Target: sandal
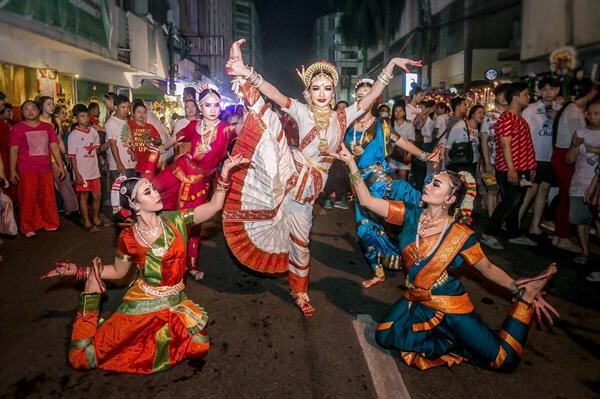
x=196 y=274
x=92 y=229
x=372 y=281
x=303 y=303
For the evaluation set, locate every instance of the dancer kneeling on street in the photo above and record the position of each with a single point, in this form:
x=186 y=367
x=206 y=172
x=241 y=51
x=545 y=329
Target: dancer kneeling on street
x=156 y=326
x=435 y=322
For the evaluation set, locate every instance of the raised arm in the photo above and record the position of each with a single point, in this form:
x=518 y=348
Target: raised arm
x=384 y=78
x=235 y=67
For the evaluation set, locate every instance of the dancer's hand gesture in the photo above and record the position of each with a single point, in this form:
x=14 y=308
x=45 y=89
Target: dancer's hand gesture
x=61 y=268
x=543 y=310
x=235 y=65
x=435 y=155
x=404 y=62
x=301 y=71
x=344 y=155
x=233 y=161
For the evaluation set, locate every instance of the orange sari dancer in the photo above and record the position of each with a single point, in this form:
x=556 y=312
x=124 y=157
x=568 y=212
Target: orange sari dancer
x=156 y=326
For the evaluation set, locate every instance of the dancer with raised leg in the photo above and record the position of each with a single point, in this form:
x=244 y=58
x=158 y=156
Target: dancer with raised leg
x=156 y=326
x=268 y=215
x=435 y=323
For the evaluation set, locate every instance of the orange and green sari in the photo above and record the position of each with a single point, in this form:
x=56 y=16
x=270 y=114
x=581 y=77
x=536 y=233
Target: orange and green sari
x=156 y=326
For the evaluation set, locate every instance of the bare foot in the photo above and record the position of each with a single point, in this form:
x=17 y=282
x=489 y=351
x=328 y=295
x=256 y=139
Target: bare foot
x=534 y=285
x=302 y=302
x=372 y=281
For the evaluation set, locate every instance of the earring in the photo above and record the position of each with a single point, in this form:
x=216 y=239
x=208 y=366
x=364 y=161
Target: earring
x=445 y=206
x=332 y=103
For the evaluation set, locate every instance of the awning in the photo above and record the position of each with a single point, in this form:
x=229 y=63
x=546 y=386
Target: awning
x=148 y=91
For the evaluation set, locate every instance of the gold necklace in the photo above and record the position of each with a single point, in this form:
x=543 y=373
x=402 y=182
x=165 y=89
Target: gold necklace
x=355 y=147
x=322 y=117
x=205 y=147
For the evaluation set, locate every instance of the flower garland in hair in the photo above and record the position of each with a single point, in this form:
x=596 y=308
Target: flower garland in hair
x=463 y=214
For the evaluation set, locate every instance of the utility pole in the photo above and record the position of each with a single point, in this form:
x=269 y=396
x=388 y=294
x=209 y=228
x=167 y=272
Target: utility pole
x=468 y=38
x=171 y=48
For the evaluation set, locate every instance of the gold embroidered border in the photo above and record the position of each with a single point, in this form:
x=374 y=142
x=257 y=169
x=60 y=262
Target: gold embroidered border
x=446 y=252
x=396 y=212
x=429 y=324
x=473 y=254
x=512 y=341
x=500 y=358
x=521 y=311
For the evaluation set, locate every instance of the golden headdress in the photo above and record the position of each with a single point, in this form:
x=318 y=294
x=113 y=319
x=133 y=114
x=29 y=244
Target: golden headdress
x=319 y=68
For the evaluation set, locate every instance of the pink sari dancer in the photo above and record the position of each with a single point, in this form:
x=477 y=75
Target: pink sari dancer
x=186 y=183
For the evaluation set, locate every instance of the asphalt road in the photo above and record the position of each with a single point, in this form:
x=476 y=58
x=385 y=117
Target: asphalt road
x=263 y=348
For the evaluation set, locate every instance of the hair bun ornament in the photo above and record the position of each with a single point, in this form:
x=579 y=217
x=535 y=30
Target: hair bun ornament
x=115 y=193
x=466 y=206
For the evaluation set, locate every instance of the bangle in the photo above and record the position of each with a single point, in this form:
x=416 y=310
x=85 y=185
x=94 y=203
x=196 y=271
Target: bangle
x=249 y=73
x=518 y=293
x=384 y=77
x=355 y=178
x=423 y=156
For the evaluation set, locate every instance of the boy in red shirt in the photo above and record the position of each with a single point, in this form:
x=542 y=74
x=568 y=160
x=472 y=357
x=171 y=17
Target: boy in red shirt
x=142 y=133
x=515 y=167
x=83 y=146
x=32 y=143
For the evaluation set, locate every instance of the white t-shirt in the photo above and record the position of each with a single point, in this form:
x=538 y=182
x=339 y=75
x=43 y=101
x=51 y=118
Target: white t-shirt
x=571 y=120
x=586 y=163
x=412 y=111
x=406 y=130
x=459 y=134
x=427 y=130
x=487 y=127
x=83 y=146
x=541 y=130
x=441 y=123
x=118 y=130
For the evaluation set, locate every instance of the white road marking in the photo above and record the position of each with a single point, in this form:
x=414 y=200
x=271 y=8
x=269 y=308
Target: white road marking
x=387 y=380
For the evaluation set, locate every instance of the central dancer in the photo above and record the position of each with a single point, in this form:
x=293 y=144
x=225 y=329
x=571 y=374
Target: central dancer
x=268 y=216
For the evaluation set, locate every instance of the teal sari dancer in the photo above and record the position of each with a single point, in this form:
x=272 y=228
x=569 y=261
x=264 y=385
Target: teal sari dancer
x=435 y=323
x=368 y=139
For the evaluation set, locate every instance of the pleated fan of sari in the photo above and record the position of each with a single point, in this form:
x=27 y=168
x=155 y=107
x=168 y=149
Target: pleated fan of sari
x=253 y=220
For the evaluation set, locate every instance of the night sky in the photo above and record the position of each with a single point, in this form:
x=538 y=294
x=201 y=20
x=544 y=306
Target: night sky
x=287 y=28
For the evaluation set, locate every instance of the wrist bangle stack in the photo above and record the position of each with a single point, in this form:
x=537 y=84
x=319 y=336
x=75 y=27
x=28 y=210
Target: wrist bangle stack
x=223 y=183
x=518 y=293
x=355 y=178
x=384 y=77
x=254 y=78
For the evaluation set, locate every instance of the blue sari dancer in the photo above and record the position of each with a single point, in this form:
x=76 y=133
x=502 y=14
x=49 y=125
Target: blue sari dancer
x=435 y=323
x=368 y=139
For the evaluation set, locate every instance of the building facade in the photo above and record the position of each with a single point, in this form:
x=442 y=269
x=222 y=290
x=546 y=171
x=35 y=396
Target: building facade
x=78 y=51
x=246 y=25
x=328 y=45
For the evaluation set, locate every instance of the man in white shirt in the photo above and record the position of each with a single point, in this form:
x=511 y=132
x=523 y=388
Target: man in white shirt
x=120 y=156
x=540 y=117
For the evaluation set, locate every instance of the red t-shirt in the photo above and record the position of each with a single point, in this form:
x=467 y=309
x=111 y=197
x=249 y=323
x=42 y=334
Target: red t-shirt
x=139 y=136
x=34 y=146
x=521 y=145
